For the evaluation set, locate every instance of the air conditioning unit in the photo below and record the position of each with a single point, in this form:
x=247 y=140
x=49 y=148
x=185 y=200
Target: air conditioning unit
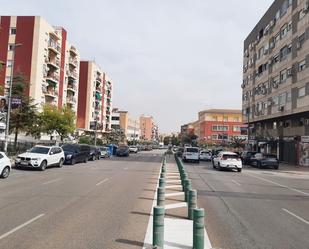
x=281 y=108
x=271 y=45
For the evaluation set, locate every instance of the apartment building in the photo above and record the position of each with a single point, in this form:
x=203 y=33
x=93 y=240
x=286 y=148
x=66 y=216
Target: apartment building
x=147 y=125
x=130 y=126
x=275 y=86
x=219 y=125
x=44 y=57
x=95 y=99
x=115 y=119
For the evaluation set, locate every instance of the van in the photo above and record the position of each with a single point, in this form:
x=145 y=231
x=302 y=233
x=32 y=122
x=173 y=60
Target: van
x=191 y=154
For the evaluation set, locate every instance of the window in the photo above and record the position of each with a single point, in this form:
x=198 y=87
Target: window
x=9 y=63
x=288 y=97
x=13 y=31
x=274 y=125
x=236 y=128
x=301 y=92
x=223 y=137
x=236 y=119
x=276 y=80
x=10 y=47
x=275 y=99
x=261 y=52
x=301 y=40
x=282 y=99
x=7 y=80
x=214 y=137
x=289 y=25
x=301 y=65
x=276 y=58
x=277 y=37
x=284 y=30
x=225 y=119
x=220 y=128
x=283 y=76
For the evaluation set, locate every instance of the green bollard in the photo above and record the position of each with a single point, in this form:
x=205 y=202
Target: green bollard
x=160 y=197
x=162 y=175
x=163 y=169
x=198 y=228
x=187 y=188
x=183 y=183
x=192 y=202
x=162 y=183
x=158 y=227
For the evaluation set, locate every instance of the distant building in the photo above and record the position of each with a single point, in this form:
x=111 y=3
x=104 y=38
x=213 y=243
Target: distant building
x=149 y=130
x=219 y=125
x=130 y=126
x=95 y=99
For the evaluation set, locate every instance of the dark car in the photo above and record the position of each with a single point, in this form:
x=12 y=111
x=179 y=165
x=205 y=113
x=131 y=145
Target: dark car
x=75 y=153
x=123 y=150
x=261 y=160
x=215 y=152
x=179 y=151
x=94 y=153
x=246 y=157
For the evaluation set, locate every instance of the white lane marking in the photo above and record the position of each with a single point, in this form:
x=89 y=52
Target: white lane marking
x=236 y=182
x=99 y=183
x=21 y=226
x=176 y=205
x=174 y=186
x=174 y=194
x=296 y=216
x=172 y=174
x=278 y=184
x=52 y=181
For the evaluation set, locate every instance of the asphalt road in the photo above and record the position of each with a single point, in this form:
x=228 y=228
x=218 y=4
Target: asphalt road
x=98 y=205
x=258 y=208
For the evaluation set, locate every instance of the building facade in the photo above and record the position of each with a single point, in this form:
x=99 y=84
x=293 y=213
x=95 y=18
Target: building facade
x=43 y=57
x=276 y=79
x=95 y=99
x=147 y=125
x=130 y=126
x=219 y=125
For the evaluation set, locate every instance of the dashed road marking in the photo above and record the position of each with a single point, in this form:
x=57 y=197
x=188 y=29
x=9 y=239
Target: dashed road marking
x=99 y=183
x=237 y=183
x=21 y=226
x=52 y=181
x=296 y=216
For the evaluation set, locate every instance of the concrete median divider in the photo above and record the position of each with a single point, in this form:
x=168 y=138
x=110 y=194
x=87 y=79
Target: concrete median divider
x=186 y=232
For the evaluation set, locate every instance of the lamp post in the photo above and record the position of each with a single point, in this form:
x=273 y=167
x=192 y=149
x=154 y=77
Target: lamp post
x=7 y=128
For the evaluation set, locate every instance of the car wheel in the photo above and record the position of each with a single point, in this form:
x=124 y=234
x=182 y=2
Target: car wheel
x=239 y=169
x=43 y=165
x=5 y=172
x=213 y=165
x=86 y=160
x=276 y=167
x=73 y=161
x=259 y=165
x=60 y=164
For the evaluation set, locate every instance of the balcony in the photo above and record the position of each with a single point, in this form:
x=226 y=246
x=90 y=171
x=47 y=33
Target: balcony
x=71 y=88
x=98 y=96
x=50 y=92
x=73 y=62
x=55 y=64
x=72 y=75
x=53 y=46
x=99 y=79
x=52 y=78
x=71 y=100
x=73 y=50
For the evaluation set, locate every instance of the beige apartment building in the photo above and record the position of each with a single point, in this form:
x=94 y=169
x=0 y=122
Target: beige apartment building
x=275 y=80
x=95 y=98
x=43 y=56
x=146 y=123
x=130 y=126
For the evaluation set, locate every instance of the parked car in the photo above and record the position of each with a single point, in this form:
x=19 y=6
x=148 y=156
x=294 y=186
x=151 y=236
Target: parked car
x=123 y=150
x=104 y=152
x=227 y=160
x=5 y=165
x=205 y=155
x=246 y=157
x=215 y=152
x=261 y=160
x=94 y=153
x=41 y=157
x=133 y=149
x=75 y=153
x=191 y=154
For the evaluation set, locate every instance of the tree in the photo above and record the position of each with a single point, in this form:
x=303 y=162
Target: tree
x=237 y=142
x=60 y=120
x=189 y=138
x=24 y=116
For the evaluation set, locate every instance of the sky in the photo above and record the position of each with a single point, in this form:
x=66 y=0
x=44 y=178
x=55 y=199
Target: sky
x=167 y=58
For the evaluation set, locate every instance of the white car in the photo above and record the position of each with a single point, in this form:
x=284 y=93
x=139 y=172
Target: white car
x=41 y=157
x=104 y=152
x=205 y=155
x=133 y=149
x=227 y=160
x=5 y=165
x=191 y=154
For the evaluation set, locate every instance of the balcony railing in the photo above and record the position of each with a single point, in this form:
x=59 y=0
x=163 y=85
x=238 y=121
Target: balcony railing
x=71 y=100
x=54 y=46
x=72 y=74
x=98 y=79
x=73 y=62
x=53 y=77
x=71 y=87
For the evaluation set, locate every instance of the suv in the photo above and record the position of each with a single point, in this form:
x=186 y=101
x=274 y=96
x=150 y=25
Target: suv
x=227 y=160
x=75 y=153
x=246 y=157
x=191 y=154
x=123 y=150
x=41 y=157
x=5 y=165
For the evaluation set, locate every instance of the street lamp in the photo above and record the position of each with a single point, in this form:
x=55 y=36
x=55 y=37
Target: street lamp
x=7 y=128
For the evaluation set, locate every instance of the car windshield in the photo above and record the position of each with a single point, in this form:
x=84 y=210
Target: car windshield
x=39 y=150
x=123 y=147
x=230 y=156
x=192 y=150
x=271 y=156
x=103 y=149
x=205 y=153
x=69 y=147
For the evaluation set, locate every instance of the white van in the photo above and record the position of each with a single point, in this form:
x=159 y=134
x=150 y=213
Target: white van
x=191 y=154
